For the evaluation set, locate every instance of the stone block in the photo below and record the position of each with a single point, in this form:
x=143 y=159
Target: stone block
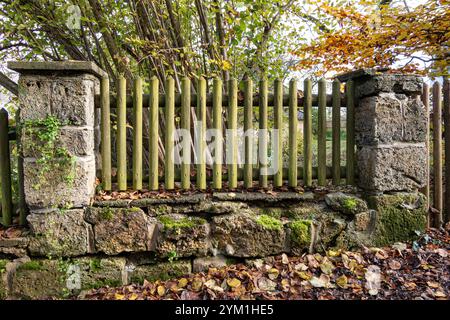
x=396 y=167
x=59 y=234
x=203 y=264
x=390 y=117
x=182 y=236
x=77 y=141
x=67 y=185
x=37 y=279
x=69 y=98
x=246 y=235
x=3 y=280
x=345 y=203
x=302 y=235
x=158 y=271
x=410 y=85
x=120 y=230
x=398 y=217
x=92 y=272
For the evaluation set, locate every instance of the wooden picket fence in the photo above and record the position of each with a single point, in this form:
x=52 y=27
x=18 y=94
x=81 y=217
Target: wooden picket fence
x=180 y=176
x=440 y=126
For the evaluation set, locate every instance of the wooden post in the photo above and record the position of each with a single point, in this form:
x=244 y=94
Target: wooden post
x=293 y=125
x=263 y=143
x=437 y=152
x=278 y=125
x=122 y=134
x=307 y=176
x=447 y=148
x=217 y=124
x=248 y=126
x=105 y=128
x=350 y=141
x=201 y=131
x=336 y=133
x=322 y=133
x=169 y=136
x=5 y=170
x=232 y=138
x=426 y=102
x=137 y=134
x=23 y=210
x=186 y=125
x=154 y=136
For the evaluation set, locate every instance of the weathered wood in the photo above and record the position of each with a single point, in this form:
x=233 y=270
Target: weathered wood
x=105 y=129
x=201 y=137
x=137 y=134
x=5 y=170
x=426 y=102
x=447 y=148
x=22 y=206
x=169 y=134
x=307 y=135
x=248 y=127
x=185 y=124
x=153 y=134
x=232 y=134
x=293 y=127
x=121 y=134
x=278 y=125
x=217 y=124
x=322 y=133
x=350 y=139
x=263 y=139
x=437 y=152
x=336 y=133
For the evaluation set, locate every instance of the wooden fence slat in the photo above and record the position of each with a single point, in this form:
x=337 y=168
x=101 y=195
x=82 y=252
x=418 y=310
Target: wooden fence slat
x=121 y=135
x=336 y=133
x=217 y=124
x=350 y=137
x=137 y=134
x=426 y=102
x=293 y=127
x=232 y=136
x=307 y=168
x=446 y=216
x=248 y=127
x=278 y=125
x=201 y=130
x=5 y=170
x=185 y=124
x=23 y=209
x=437 y=152
x=322 y=133
x=169 y=136
x=105 y=128
x=153 y=135
x=263 y=139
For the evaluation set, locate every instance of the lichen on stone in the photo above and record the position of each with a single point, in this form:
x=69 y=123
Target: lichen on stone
x=269 y=222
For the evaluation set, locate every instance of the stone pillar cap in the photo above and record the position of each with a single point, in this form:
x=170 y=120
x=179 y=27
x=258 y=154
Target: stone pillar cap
x=69 y=66
x=365 y=72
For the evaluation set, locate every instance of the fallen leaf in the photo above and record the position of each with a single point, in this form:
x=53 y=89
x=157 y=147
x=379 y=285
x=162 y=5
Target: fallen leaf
x=284 y=259
x=273 y=273
x=326 y=266
x=197 y=285
x=182 y=282
x=266 y=284
x=119 y=296
x=234 y=283
x=161 y=290
x=342 y=281
x=395 y=265
x=432 y=284
x=442 y=252
x=321 y=282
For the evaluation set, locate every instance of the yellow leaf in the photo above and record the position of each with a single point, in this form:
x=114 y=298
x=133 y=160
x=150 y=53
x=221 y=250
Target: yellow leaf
x=161 y=290
x=234 y=283
x=342 y=281
x=182 y=282
x=303 y=275
x=133 y=296
x=273 y=273
x=197 y=285
x=119 y=296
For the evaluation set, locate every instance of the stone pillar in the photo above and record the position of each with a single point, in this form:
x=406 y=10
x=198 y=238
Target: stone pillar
x=390 y=134
x=61 y=94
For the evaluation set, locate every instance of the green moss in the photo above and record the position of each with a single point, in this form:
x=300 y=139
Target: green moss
x=349 y=203
x=272 y=212
x=301 y=232
x=399 y=216
x=134 y=209
x=31 y=265
x=3 y=264
x=269 y=222
x=107 y=213
x=183 y=223
x=95 y=265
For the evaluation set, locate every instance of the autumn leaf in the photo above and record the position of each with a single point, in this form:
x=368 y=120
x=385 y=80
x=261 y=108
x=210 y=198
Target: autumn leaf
x=233 y=282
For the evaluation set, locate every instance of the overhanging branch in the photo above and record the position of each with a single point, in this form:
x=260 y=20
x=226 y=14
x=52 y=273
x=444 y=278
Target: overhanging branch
x=10 y=85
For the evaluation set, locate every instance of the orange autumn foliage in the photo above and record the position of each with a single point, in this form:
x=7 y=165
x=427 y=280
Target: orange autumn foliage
x=407 y=39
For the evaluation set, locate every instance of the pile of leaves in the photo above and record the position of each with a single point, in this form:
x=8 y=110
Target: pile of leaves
x=403 y=271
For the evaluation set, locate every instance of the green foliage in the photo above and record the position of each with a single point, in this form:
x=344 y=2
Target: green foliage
x=269 y=222
x=31 y=265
